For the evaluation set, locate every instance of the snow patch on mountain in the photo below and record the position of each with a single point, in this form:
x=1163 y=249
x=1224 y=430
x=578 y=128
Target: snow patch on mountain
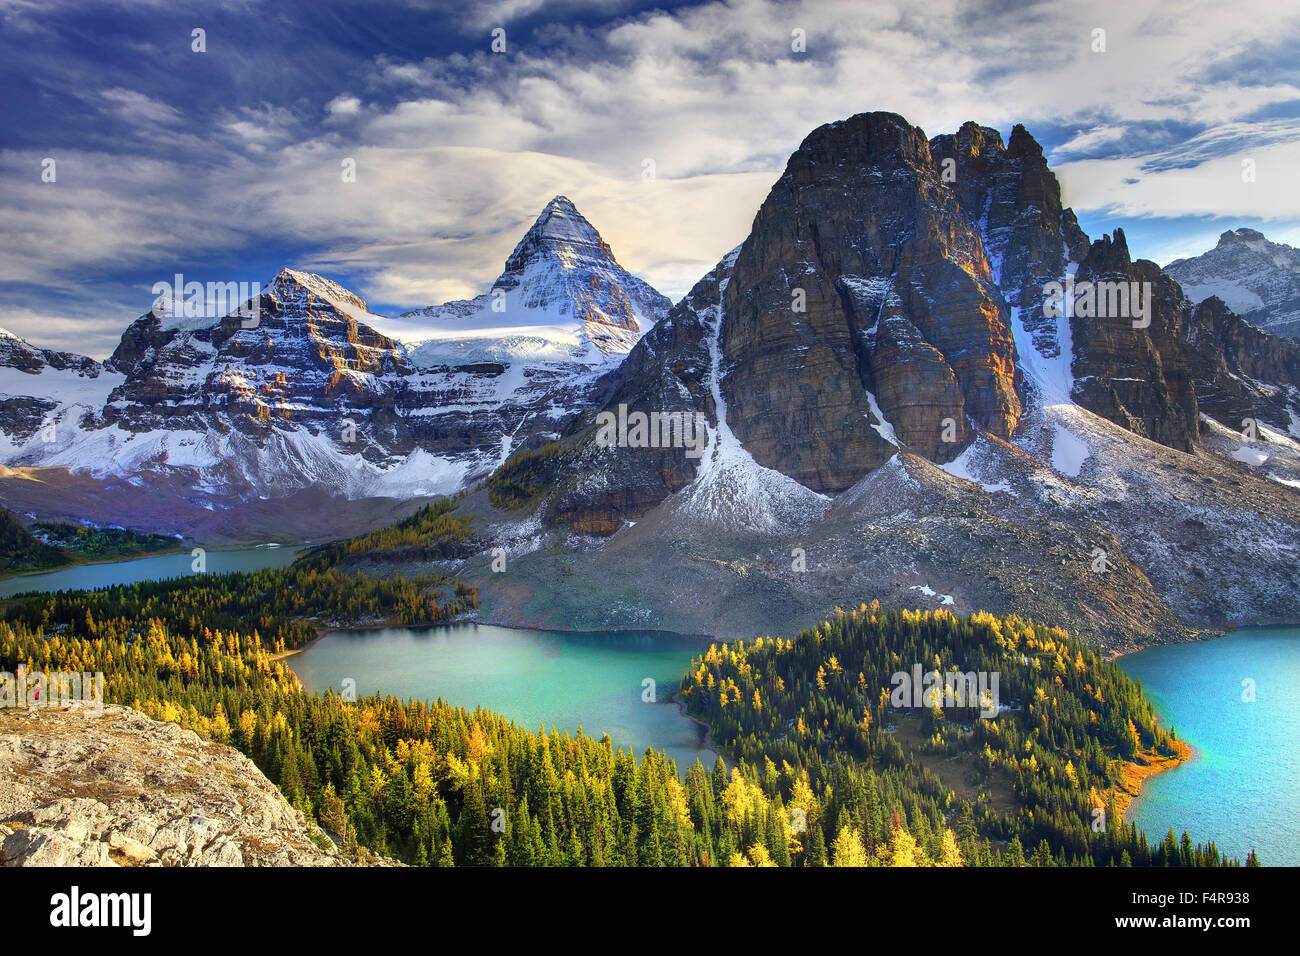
x=730 y=488
x=977 y=461
x=1069 y=452
x=1274 y=454
x=945 y=599
x=1052 y=375
x=881 y=424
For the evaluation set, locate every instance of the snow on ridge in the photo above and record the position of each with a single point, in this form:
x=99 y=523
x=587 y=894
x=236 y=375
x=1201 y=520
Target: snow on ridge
x=537 y=306
x=1273 y=454
x=973 y=465
x=1053 y=376
x=730 y=487
x=1232 y=294
x=289 y=460
x=882 y=426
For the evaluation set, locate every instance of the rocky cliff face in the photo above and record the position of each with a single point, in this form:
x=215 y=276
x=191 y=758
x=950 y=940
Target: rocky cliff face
x=120 y=789
x=1256 y=278
x=304 y=359
x=863 y=298
x=891 y=295
x=1241 y=373
x=1136 y=377
x=594 y=490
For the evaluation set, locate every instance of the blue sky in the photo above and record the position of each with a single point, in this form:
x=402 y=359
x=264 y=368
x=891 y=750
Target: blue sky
x=226 y=164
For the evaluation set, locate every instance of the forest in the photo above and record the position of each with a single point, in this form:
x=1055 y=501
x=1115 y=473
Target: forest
x=91 y=543
x=21 y=551
x=820 y=780
x=284 y=608
x=51 y=544
x=1066 y=723
x=433 y=533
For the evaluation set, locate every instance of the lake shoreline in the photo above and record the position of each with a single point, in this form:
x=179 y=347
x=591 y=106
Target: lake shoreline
x=169 y=565
x=75 y=563
x=1236 y=784
x=595 y=682
x=600 y=630
x=1135 y=773
x=707 y=743
x=526 y=627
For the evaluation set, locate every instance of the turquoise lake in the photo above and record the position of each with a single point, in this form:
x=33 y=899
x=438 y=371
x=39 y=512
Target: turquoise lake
x=550 y=679
x=1242 y=788
x=160 y=567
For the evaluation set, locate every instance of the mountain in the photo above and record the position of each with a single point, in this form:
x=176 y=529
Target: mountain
x=562 y=292
x=1256 y=278
x=311 y=399
x=892 y=413
x=918 y=381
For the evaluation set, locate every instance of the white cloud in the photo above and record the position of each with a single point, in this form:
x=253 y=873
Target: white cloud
x=1123 y=187
x=456 y=155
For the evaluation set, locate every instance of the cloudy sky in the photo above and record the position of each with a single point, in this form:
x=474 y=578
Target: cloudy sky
x=226 y=164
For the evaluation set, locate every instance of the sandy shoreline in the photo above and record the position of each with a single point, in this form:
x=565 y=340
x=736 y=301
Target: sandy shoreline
x=1135 y=773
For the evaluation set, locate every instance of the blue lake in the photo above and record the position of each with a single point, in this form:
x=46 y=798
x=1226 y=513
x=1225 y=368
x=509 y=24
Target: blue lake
x=157 y=568
x=538 y=679
x=1242 y=789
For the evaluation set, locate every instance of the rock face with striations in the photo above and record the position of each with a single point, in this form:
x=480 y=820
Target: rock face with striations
x=863 y=282
x=304 y=359
x=123 y=789
x=1136 y=377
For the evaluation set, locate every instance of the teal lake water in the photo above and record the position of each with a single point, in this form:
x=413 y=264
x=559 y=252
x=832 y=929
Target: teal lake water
x=158 y=568
x=1242 y=789
x=537 y=679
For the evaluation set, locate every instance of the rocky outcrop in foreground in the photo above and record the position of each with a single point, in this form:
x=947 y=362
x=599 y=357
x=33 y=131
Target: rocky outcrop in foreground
x=123 y=789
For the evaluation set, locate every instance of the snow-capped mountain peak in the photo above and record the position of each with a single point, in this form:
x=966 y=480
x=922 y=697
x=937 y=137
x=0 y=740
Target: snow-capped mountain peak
x=561 y=290
x=269 y=389
x=559 y=226
x=289 y=284
x=1255 y=277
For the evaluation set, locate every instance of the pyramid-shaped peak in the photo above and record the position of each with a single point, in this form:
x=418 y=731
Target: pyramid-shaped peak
x=560 y=231
x=561 y=221
x=291 y=282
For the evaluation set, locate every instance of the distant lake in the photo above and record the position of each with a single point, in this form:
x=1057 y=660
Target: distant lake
x=537 y=679
x=1243 y=788
x=157 y=568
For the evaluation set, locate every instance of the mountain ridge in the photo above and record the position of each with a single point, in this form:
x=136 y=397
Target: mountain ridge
x=892 y=411
x=304 y=391
x=1256 y=278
